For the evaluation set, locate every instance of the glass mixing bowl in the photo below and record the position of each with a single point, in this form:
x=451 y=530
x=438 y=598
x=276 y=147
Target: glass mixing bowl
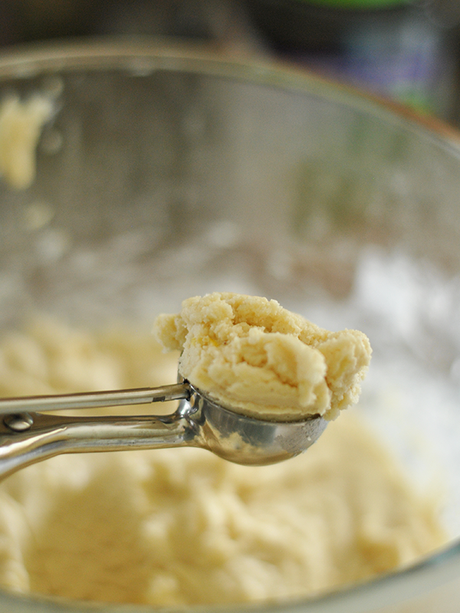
x=170 y=171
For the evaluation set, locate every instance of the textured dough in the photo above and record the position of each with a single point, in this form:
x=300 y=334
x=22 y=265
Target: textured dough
x=257 y=358
x=181 y=526
x=21 y=123
x=172 y=527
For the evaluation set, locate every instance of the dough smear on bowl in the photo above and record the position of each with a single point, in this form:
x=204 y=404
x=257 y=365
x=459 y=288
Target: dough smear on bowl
x=255 y=357
x=21 y=123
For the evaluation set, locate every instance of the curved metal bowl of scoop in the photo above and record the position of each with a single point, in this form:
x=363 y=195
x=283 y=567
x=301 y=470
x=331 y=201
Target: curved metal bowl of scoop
x=248 y=440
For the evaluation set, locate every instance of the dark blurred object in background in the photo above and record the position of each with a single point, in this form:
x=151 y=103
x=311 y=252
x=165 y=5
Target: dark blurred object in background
x=407 y=50
x=222 y=21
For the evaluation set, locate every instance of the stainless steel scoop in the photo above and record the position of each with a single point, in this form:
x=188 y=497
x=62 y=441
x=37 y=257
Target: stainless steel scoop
x=28 y=436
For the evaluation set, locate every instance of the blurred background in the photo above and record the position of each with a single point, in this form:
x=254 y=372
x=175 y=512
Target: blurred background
x=405 y=50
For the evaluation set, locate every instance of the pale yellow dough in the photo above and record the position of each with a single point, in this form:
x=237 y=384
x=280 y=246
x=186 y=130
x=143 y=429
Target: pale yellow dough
x=255 y=357
x=21 y=123
x=181 y=526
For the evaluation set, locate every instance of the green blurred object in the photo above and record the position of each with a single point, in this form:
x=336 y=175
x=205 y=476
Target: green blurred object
x=398 y=49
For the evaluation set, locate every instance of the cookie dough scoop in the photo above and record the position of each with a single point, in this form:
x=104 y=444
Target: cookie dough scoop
x=30 y=434
x=257 y=385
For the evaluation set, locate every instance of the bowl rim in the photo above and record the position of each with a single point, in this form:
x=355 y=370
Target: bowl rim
x=142 y=56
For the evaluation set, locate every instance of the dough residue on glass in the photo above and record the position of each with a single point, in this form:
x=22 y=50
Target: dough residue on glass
x=21 y=123
x=181 y=526
x=255 y=357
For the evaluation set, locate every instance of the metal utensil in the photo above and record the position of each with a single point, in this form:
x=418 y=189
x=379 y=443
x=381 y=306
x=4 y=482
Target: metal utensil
x=28 y=436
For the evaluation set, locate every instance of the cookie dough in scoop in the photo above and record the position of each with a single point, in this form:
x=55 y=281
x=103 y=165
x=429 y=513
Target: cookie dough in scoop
x=255 y=357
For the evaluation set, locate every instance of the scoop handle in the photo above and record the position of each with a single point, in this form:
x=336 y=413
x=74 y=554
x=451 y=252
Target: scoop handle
x=29 y=438
x=92 y=400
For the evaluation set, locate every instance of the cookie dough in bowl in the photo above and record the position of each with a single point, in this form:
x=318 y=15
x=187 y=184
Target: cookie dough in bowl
x=182 y=526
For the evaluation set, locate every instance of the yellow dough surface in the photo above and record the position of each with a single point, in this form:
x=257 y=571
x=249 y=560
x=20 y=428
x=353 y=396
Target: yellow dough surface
x=182 y=526
x=255 y=357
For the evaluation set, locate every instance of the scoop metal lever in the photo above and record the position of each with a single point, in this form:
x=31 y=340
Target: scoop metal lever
x=28 y=436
